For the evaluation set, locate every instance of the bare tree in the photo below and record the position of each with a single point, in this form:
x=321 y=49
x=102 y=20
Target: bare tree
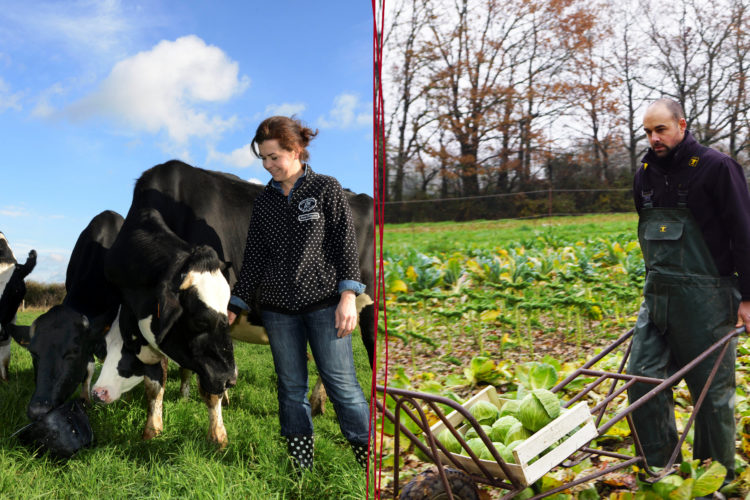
x=552 y=33
x=408 y=115
x=467 y=62
x=591 y=90
x=628 y=54
x=739 y=101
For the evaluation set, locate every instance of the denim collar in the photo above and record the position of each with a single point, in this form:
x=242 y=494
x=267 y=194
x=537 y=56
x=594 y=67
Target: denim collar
x=277 y=185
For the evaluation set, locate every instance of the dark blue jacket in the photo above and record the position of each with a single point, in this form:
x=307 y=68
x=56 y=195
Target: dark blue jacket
x=717 y=197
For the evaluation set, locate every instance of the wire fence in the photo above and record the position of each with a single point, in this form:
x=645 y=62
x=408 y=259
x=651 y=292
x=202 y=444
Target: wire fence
x=524 y=204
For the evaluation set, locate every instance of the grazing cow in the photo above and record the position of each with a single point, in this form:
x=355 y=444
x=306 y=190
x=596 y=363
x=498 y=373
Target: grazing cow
x=175 y=260
x=12 y=291
x=65 y=339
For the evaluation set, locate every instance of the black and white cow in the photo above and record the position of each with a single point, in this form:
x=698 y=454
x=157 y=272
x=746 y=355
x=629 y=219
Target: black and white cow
x=175 y=260
x=12 y=291
x=64 y=340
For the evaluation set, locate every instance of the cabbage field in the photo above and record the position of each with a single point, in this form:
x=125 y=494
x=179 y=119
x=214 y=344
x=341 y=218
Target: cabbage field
x=489 y=302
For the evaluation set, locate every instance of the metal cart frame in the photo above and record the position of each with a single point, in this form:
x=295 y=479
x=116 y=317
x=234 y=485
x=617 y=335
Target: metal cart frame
x=413 y=404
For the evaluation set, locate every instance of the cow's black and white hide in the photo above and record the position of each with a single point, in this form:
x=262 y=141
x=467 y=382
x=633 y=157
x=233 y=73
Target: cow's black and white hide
x=175 y=260
x=64 y=340
x=12 y=291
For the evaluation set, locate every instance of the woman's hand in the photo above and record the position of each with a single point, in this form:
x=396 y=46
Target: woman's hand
x=346 y=313
x=231 y=316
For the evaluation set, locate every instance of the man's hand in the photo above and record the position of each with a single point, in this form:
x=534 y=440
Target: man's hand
x=346 y=313
x=743 y=315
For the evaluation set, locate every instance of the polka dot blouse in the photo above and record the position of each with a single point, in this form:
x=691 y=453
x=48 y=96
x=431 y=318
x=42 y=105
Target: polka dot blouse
x=299 y=249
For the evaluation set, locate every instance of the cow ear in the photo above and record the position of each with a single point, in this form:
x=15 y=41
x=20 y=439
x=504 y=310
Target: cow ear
x=99 y=325
x=168 y=310
x=225 y=270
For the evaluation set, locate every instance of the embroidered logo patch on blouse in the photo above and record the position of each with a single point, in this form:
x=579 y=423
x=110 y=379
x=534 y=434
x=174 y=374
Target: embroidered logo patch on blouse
x=312 y=216
x=307 y=204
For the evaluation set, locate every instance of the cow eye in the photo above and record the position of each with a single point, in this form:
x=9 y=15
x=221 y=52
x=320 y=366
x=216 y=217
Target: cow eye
x=202 y=325
x=70 y=355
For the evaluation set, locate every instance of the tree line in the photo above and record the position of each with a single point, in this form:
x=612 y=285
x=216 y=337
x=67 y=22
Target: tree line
x=43 y=295
x=491 y=97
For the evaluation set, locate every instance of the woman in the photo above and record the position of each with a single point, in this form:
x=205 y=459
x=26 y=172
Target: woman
x=301 y=267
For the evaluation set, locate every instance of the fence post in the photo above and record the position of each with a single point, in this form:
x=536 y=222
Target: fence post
x=549 y=201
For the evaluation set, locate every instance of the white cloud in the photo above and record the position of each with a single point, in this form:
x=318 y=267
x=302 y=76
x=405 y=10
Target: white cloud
x=164 y=88
x=14 y=212
x=58 y=257
x=79 y=27
x=347 y=112
x=43 y=108
x=241 y=157
x=285 y=109
x=8 y=99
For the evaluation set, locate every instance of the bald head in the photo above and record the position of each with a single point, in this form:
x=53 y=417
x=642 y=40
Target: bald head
x=672 y=106
x=664 y=124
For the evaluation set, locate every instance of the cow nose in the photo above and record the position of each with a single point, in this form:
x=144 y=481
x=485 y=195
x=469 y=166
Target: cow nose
x=38 y=409
x=101 y=395
x=232 y=380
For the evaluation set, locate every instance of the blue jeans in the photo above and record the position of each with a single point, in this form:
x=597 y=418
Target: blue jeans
x=288 y=335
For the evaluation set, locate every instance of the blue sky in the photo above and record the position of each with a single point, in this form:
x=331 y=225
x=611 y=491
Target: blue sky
x=92 y=93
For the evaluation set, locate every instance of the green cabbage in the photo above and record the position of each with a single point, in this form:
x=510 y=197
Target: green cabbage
x=500 y=428
x=476 y=445
x=510 y=408
x=449 y=441
x=485 y=412
x=507 y=452
x=481 y=369
x=535 y=375
x=517 y=432
x=472 y=432
x=487 y=454
x=665 y=485
x=538 y=408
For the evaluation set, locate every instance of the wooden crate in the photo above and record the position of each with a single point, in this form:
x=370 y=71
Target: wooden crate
x=522 y=471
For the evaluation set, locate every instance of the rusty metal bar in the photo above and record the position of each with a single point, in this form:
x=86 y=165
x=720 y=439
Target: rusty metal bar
x=697 y=405
x=403 y=396
x=605 y=402
x=595 y=359
x=670 y=381
x=588 y=478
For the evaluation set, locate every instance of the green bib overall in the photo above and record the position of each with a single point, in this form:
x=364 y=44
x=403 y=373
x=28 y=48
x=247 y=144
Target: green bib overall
x=687 y=307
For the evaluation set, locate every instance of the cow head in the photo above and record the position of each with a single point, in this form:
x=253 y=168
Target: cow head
x=128 y=359
x=62 y=345
x=12 y=285
x=187 y=319
x=12 y=291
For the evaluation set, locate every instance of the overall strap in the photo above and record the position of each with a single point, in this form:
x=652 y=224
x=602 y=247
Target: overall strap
x=682 y=187
x=647 y=193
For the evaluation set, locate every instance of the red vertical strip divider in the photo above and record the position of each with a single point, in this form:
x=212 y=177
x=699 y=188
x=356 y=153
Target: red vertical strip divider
x=379 y=186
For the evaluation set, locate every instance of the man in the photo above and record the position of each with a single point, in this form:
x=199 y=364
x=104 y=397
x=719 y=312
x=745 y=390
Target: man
x=694 y=230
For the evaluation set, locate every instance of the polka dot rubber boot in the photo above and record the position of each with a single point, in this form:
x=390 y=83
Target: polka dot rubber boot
x=300 y=448
x=360 y=453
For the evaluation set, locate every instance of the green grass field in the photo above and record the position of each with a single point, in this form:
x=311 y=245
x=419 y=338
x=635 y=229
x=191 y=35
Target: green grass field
x=460 y=237
x=508 y=287
x=181 y=463
x=470 y=304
